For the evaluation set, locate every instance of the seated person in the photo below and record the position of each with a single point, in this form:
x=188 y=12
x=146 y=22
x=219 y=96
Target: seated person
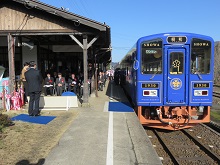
x=60 y=84
x=100 y=81
x=48 y=85
x=72 y=83
x=80 y=84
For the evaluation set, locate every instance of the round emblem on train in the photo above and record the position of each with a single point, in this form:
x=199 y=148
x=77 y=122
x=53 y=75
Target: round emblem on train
x=176 y=83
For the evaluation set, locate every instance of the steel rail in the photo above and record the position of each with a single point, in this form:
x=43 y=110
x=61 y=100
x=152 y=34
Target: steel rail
x=170 y=153
x=204 y=148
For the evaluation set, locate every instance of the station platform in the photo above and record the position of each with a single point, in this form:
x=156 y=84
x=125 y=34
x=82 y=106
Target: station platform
x=108 y=132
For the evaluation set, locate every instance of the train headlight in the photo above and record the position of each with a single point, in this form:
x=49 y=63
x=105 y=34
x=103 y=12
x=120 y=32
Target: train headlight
x=149 y=92
x=200 y=93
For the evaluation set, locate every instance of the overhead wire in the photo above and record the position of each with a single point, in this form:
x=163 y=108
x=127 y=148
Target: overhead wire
x=120 y=48
x=79 y=8
x=84 y=7
x=124 y=36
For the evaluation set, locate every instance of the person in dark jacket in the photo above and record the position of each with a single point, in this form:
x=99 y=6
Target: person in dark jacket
x=73 y=83
x=48 y=85
x=34 y=85
x=60 y=84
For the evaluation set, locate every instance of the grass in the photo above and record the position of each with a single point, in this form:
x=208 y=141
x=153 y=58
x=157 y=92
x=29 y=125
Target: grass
x=216 y=115
x=28 y=142
x=5 y=121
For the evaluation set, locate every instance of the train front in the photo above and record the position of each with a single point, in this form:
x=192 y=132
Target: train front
x=174 y=80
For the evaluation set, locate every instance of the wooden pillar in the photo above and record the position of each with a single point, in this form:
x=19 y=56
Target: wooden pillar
x=11 y=53
x=92 y=70
x=96 y=81
x=85 y=46
x=85 y=66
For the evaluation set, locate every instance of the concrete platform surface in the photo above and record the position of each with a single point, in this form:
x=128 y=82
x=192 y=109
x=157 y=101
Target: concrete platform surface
x=98 y=137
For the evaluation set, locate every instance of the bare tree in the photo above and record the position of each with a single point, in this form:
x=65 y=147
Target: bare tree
x=217 y=63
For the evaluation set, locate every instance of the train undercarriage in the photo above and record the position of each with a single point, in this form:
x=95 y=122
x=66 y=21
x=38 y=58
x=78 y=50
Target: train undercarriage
x=172 y=118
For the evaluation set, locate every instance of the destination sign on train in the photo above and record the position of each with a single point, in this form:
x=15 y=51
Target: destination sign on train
x=150 y=85
x=179 y=39
x=157 y=44
x=201 y=44
x=201 y=85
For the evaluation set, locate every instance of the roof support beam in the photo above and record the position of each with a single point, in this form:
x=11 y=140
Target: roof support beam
x=76 y=40
x=92 y=41
x=79 y=43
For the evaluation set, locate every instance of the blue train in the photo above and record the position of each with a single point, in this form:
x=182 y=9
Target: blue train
x=169 y=78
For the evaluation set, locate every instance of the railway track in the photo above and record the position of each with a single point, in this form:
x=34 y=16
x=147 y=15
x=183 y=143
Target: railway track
x=198 y=145
x=216 y=88
x=214 y=126
x=216 y=94
x=215 y=85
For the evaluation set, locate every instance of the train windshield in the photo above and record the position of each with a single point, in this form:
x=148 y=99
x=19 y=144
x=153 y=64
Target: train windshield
x=200 y=56
x=176 y=63
x=152 y=57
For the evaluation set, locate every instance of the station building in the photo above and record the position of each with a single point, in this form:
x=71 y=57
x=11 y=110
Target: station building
x=58 y=40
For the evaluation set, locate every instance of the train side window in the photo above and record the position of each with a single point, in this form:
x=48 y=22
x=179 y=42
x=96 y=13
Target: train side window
x=152 y=57
x=200 y=56
x=176 y=63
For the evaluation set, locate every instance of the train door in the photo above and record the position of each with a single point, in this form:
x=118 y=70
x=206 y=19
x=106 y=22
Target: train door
x=176 y=77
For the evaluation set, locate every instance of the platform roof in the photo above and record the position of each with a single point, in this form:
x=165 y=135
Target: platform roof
x=48 y=25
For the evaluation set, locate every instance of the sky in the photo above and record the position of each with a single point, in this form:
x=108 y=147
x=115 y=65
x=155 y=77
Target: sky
x=131 y=19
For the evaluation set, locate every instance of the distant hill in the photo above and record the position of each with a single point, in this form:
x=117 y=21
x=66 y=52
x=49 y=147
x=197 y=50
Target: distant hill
x=113 y=64
x=216 y=42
